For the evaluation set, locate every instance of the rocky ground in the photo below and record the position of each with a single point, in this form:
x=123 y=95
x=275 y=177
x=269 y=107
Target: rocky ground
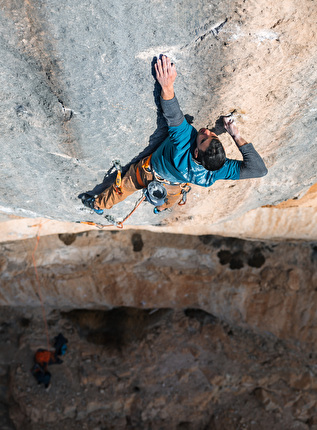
x=154 y=369
x=165 y=332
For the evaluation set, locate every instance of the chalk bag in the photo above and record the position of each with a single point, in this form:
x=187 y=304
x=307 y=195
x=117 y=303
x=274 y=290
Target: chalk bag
x=155 y=193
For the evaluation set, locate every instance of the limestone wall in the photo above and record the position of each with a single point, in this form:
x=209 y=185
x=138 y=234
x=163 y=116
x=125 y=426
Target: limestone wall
x=266 y=286
x=168 y=327
x=78 y=92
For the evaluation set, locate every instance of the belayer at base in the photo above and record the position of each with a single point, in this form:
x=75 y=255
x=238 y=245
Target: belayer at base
x=43 y=358
x=185 y=157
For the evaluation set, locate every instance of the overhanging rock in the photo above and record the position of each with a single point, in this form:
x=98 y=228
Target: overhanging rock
x=78 y=92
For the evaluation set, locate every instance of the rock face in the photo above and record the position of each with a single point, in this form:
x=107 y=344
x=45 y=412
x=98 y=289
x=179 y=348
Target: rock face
x=79 y=92
x=294 y=219
x=165 y=331
x=266 y=286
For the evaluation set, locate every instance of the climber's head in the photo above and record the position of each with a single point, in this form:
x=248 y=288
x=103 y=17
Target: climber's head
x=209 y=151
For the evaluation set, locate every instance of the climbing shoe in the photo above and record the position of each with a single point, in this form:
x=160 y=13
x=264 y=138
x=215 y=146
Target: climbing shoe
x=89 y=202
x=156 y=211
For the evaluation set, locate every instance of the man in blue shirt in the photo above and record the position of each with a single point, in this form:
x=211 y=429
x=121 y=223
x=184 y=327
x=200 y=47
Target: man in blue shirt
x=186 y=156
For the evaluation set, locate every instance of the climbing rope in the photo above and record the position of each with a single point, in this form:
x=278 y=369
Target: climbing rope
x=120 y=223
x=111 y=219
x=39 y=284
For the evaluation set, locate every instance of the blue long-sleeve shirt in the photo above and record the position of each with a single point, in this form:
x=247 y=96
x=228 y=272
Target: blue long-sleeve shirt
x=174 y=159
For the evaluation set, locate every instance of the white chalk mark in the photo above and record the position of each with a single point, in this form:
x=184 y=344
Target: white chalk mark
x=170 y=51
x=264 y=35
x=62 y=155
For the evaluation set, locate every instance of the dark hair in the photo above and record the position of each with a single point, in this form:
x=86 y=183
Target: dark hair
x=214 y=157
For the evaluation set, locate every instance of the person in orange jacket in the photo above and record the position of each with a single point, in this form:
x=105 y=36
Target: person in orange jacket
x=43 y=358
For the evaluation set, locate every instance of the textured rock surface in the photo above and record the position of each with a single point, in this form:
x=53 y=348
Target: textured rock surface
x=78 y=92
x=165 y=332
x=292 y=219
x=156 y=369
x=266 y=286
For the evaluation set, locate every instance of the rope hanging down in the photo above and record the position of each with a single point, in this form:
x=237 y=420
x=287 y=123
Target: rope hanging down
x=39 y=284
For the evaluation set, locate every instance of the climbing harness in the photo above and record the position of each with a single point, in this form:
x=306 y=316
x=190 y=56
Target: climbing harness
x=155 y=193
x=147 y=168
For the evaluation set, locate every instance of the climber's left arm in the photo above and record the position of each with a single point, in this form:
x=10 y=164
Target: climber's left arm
x=252 y=165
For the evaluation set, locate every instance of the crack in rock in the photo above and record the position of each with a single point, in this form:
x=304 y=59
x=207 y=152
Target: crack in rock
x=68 y=113
x=215 y=30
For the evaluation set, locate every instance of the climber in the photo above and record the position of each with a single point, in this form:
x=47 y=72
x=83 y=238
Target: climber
x=186 y=156
x=44 y=357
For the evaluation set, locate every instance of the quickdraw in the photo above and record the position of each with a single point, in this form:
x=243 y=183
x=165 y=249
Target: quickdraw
x=111 y=219
x=185 y=191
x=118 y=182
x=94 y=224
